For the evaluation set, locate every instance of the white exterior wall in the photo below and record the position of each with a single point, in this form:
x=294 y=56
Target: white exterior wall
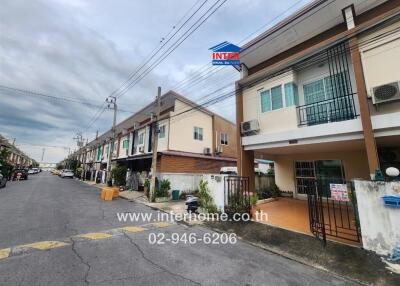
x=380 y=225
x=182 y=128
x=183 y=182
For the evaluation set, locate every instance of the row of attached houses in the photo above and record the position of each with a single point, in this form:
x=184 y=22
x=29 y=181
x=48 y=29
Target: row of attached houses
x=16 y=157
x=191 y=141
x=319 y=94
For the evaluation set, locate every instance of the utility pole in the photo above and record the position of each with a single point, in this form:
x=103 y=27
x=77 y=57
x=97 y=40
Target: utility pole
x=111 y=100
x=43 y=154
x=154 y=145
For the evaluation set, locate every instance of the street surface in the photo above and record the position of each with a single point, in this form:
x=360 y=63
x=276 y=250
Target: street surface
x=57 y=231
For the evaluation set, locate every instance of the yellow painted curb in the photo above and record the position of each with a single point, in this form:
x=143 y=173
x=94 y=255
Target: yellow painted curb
x=162 y=224
x=94 y=235
x=4 y=253
x=133 y=228
x=43 y=245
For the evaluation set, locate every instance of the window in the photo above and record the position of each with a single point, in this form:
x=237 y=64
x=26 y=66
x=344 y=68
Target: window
x=265 y=101
x=271 y=99
x=125 y=144
x=161 y=132
x=198 y=133
x=291 y=94
x=276 y=97
x=107 y=149
x=224 y=139
x=141 y=139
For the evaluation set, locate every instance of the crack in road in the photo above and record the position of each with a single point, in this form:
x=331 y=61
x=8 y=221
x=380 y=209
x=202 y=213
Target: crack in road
x=75 y=251
x=157 y=265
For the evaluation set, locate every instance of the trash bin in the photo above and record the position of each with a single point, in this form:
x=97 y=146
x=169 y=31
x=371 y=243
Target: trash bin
x=175 y=195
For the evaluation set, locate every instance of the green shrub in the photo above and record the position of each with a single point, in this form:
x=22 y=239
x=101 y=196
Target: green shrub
x=205 y=199
x=275 y=191
x=162 y=191
x=254 y=199
x=118 y=173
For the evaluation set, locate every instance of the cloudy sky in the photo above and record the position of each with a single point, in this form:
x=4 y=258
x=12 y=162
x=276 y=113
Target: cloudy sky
x=83 y=50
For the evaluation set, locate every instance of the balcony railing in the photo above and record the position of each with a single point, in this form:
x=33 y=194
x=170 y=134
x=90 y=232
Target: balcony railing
x=330 y=110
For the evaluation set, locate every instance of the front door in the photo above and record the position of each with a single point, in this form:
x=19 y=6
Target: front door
x=324 y=172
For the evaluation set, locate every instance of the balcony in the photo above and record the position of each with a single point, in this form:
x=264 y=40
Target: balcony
x=326 y=111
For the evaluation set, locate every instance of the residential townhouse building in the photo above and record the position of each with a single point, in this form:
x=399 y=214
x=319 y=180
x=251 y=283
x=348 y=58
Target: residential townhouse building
x=16 y=157
x=191 y=141
x=319 y=95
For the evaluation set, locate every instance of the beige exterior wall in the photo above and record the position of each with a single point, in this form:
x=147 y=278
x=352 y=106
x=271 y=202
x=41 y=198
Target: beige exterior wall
x=182 y=128
x=163 y=142
x=381 y=64
x=354 y=162
x=122 y=151
x=269 y=121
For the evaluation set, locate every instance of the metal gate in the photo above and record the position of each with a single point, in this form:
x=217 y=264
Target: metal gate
x=333 y=218
x=237 y=195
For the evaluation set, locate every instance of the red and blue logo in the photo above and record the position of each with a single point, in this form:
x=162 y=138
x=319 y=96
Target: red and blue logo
x=225 y=54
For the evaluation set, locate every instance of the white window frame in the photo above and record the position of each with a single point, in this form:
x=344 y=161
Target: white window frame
x=159 y=131
x=200 y=135
x=282 y=85
x=141 y=135
x=226 y=141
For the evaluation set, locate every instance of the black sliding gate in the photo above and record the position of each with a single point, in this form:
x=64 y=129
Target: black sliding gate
x=237 y=195
x=332 y=217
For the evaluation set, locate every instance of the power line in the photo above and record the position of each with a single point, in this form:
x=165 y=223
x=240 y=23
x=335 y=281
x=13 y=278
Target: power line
x=125 y=85
x=174 y=46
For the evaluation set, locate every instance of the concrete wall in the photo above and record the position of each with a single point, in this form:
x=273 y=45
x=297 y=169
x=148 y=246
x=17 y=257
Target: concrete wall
x=182 y=128
x=380 y=225
x=354 y=162
x=183 y=182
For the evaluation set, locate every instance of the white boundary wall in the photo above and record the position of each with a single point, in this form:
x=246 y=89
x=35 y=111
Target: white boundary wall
x=380 y=224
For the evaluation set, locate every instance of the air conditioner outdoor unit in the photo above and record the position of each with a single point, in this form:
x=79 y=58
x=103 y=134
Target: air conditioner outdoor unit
x=386 y=92
x=249 y=127
x=207 y=151
x=219 y=149
x=141 y=149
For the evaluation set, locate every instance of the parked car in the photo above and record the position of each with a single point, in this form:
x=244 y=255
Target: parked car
x=3 y=181
x=66 y=174
x=56 y=172
x=31 y=171
x=20 y=174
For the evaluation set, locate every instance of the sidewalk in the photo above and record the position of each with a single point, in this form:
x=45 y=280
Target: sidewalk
x=347 y=261
x=94 y=184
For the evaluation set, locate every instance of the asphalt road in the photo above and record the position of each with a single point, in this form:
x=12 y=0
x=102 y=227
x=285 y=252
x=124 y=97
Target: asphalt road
x=57 y=231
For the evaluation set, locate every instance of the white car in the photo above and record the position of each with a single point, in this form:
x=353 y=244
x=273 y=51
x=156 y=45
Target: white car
x=67 y=174
x=31 y=171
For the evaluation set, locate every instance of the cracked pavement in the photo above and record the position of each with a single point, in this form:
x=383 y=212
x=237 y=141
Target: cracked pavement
x=49 y=208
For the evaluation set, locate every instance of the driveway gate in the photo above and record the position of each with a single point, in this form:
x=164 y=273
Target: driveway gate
x=331 y=217
x=237 y=196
